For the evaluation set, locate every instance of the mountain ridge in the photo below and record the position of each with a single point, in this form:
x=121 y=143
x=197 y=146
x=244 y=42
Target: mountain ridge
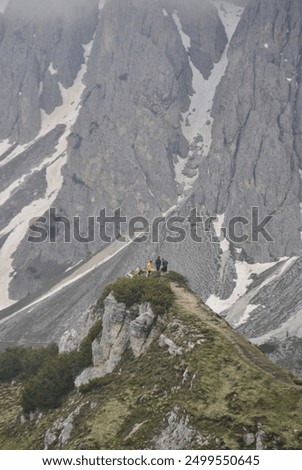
x=191 y=377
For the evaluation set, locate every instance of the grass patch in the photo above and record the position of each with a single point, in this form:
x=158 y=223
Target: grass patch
x=178 y=278
x=138 y=290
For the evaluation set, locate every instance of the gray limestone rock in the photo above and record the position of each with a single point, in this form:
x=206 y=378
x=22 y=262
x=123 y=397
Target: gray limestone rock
x=249 y=439
x=172 y=348
x=34 y=36
x=122 y=329
x=200 y=21
x=178 y=433
x=61 y=429
x=253 y=161
x=50 y=97
x=141 y=329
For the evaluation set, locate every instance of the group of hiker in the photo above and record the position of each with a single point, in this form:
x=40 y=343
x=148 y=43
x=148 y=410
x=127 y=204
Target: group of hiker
x=161 y=264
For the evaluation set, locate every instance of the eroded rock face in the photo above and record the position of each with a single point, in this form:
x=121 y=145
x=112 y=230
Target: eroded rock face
x=255 y=158
x=201 y=23
x=122 y=328
x=61 y=430
x=128 y=129
x=178 y=433
x=34 y=37
x=141 y=329
x=72 y=338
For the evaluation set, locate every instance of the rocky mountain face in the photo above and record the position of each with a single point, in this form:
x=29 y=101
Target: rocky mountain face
x=41 y=49
x=158 y=384
x=154 y=107
x=255 y=156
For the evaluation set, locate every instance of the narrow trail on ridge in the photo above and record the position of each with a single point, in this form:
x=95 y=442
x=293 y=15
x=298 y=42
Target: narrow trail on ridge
x=187 y=301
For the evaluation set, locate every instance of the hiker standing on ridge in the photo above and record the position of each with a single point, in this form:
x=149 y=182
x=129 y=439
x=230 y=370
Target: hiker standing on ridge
x=165 y=266
x=149 y=268
x=158 y=263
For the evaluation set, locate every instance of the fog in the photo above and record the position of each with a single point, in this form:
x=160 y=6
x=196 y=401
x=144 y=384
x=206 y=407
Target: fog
x=64 y=7
x=45 y=9
x=3 y=4
x=42 y=8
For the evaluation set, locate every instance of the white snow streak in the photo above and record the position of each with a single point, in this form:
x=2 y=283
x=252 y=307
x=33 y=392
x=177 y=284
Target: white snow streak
x=52 y=70
x=244 y=272
x=98 y=260
x=4 y=146
x=17 y=228
x=18 y=150
x=218 y=226
x=182 y=179
x=249 y=309
x=198 y=121
x=292 y=327
x=199 y=113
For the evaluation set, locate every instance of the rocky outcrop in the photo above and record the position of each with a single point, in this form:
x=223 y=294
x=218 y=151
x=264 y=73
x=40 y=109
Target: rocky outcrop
x=72 y=338
x=172 y=348
x=122 y=329
x=178 y=434
x=61 y=430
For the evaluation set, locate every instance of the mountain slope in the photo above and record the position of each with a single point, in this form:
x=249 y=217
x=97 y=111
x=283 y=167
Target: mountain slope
x=198 y=385
x=157 y=107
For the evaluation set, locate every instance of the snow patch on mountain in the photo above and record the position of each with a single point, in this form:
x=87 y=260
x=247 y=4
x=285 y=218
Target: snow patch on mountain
x=101 y=4
x=95 y=262
x=18 y=226
x=198 y=119
x=244 y=272
x=68 y=112
x=229 y=14
x=292 y=327
x=186 y=183
x=5 y=146
x=52 y=70
x=237 y=314
x=218 y=226
x=247 y=314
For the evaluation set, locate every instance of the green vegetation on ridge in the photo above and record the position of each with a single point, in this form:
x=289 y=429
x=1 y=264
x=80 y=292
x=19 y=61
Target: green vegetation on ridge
x=218 y=385
x=138 y=290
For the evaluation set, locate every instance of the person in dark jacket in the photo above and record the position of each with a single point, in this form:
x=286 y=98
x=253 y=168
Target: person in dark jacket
x=165 y=265
x=158 y=263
